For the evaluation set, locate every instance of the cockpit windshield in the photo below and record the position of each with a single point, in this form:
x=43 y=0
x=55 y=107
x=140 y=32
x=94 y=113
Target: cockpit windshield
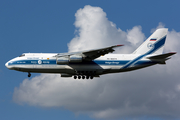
x=22 y=55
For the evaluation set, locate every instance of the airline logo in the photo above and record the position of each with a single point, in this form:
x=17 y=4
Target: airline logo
x=153 y=39
x=150 y=45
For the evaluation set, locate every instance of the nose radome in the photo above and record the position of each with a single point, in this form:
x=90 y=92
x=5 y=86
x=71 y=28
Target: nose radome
x=6 y=64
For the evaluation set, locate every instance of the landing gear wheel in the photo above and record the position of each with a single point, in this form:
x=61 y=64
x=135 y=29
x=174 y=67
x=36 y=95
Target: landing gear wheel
x=29 y=74
x=87 y=77
x=91 y=77
x=79 y=77
x=83 y=77
x=75 y=77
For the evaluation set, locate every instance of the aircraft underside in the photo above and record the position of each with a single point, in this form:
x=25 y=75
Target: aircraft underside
x=77 y=71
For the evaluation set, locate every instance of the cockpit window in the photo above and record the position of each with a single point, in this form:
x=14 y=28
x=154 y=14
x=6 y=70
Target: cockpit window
x=22 y=55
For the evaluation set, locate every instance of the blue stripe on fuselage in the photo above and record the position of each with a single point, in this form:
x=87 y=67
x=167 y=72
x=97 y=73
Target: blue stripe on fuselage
x=95 y=62
x=43 y=62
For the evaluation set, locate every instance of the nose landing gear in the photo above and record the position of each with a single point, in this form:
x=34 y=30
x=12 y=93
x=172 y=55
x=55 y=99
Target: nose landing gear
x=29 y=74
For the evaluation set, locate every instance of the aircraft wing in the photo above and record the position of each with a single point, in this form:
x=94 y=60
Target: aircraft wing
x=91 y=54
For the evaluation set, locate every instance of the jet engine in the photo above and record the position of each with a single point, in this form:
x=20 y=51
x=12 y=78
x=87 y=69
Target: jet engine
x=75 y=58
x=62 y=60
x=69 y=59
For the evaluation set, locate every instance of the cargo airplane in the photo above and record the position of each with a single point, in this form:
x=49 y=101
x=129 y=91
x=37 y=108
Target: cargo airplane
x=93 y=63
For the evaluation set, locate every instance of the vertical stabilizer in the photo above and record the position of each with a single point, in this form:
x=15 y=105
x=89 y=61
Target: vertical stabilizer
x=154 y=44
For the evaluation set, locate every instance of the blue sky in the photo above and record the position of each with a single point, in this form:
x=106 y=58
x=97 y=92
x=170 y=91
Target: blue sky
x=44 y=26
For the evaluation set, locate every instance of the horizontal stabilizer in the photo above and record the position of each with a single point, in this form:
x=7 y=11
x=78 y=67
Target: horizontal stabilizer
x=162 y=56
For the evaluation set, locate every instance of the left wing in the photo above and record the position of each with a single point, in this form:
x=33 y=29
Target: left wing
x=93 y=54
x=88 y=54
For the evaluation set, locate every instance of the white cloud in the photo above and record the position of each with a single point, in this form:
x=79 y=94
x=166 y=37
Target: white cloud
x=94 y=30
x=152 y=92
x=161 y=25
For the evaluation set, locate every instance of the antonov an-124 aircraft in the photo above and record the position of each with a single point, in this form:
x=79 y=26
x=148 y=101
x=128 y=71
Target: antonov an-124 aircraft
x=93 y=63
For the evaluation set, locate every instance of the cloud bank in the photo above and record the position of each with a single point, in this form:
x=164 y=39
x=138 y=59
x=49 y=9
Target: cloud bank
x=153 y=92
x=94 y=30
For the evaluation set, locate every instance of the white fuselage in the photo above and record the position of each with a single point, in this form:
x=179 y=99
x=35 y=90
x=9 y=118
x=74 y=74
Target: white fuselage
x=46 y=63
x=90 y=63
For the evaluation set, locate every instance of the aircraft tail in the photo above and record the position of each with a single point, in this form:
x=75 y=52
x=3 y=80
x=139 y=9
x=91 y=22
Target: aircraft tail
x=154 y=44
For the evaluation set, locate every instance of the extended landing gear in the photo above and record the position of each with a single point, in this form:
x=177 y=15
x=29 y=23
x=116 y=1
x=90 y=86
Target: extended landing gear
x=29 y=74
x=83 y=77
x=85 y=74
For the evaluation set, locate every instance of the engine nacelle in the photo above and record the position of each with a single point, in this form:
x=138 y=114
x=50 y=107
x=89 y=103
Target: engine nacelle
x=62 y=60
x=75 y=58
x=69 y=59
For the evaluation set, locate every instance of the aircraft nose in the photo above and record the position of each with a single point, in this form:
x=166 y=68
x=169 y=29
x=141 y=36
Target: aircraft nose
x=7 y=64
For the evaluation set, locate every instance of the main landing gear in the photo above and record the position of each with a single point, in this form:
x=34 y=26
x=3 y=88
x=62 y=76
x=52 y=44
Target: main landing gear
x=29 y=74
x=83 y=77
x=85 y=74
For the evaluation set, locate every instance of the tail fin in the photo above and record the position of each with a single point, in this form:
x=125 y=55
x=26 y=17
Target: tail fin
x=154 y=44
